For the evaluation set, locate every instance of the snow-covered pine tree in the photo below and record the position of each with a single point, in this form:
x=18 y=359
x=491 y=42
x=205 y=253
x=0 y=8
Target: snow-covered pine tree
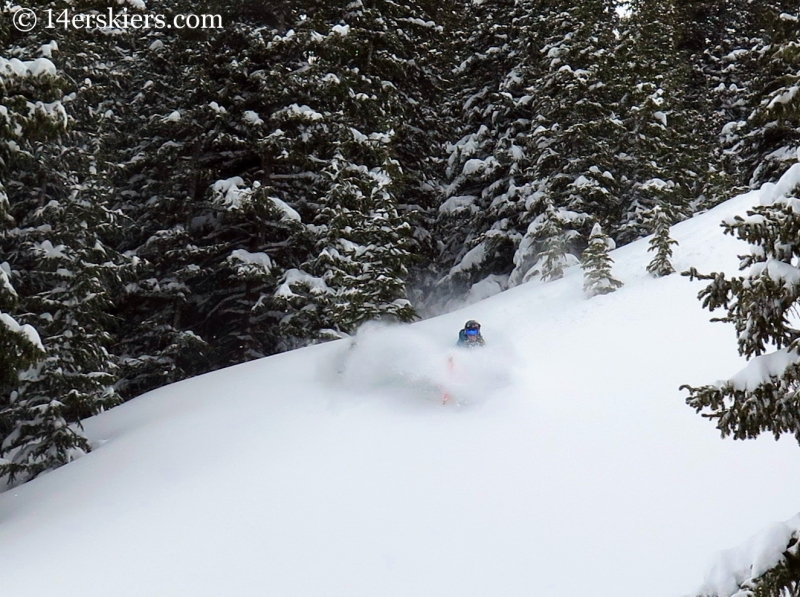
x=363 y=252
x=68 y=274
x=659 y=160
x=479 y=221
x=182 y=144
x=265 y=235
x=369 y=246
x=56 y=239
x=661 y=243
x=545 y=250
x=539 y=97
x=572 y=137
x=31 y=108
x=764 y=396
x=340 y=148
x=783 y=579
x=720 y=40
x=554 y=257
x=570 y=179
x=20 y=345
x=211 y=230
x=194 y=173
x=768 y=139
x=779 y=580
x=596 y=264
x=230 y=177
x=31 y=114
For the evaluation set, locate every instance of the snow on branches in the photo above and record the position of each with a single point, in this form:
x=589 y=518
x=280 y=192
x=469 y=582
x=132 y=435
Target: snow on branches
x=766 y=565
x=661 y=243
x=764 y=396
x=596 y=265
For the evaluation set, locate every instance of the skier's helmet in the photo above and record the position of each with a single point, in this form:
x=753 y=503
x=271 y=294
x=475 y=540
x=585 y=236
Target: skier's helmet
x=472 y=327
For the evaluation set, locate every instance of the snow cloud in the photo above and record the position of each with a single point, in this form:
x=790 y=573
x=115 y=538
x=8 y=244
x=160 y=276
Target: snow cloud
x=405 y=363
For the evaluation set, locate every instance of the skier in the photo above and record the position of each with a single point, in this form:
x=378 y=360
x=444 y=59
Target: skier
x=470 y=336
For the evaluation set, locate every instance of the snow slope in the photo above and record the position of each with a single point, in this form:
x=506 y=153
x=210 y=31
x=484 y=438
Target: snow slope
x=571 y=466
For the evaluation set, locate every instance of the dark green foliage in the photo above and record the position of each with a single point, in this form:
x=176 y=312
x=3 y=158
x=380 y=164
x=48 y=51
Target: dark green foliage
x=740 y=54
x=573 y=106
x=661 y=162
x=784 y=579
x=572 y=134
x=66 y=275
x=55 y=235
x=361 y=257
x=18 y=348
x=540 y=123
x=545 y=250
x=769 y=136
x=279 y=178
x=486 y=159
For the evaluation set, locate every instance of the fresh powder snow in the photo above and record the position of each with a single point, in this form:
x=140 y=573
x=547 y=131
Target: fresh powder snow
x=567 y=463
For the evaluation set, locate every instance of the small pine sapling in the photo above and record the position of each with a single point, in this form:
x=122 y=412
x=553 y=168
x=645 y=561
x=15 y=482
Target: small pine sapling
x=596 y=265
x=554 y=256
x=661 y=243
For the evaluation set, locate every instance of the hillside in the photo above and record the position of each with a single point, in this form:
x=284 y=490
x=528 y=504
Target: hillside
x=570 y=466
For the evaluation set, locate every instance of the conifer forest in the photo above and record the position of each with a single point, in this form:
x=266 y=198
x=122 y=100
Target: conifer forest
x=175 y=201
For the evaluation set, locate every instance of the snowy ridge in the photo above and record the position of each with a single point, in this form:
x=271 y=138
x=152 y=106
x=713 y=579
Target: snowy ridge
x=337 y=471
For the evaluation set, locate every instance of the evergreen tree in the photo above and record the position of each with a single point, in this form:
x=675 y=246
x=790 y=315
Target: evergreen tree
x=362 y=255
x=764 y=397
x=714 y=38
x=660 y=160
x=56 y=225
x=661 y=243
x=68 y=295
x=274 y=157
x=19 y=344
x=596 y=265
x=479 y=222
x=174 y=140
x=544 y=251
x=768 y=139
x=572 y=140
x=541 y=99
x=732 y=49
x=344 y=140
